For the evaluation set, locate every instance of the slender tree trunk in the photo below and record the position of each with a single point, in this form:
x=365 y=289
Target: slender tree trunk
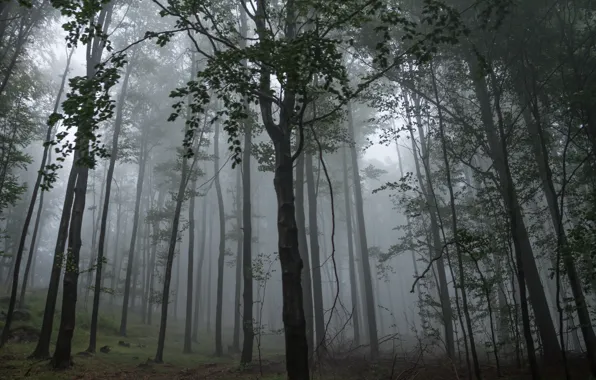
x=462 y=281
x=115 y=268
x=96 y=221
x=542 y=159
x=133 y=239
x=526 y=265
x=367 y=280
x=62 y=354
x=160 y=201
x=313 y=232
x=247 y=235
x=105 y=211
x=222 y=248
x=189 y=282
x=447 y=312
x=350 y=236
x=209 y=279
x=174 y=237
x=303 y=247
x=19 y=255
x=195 y=322
x=238 y=276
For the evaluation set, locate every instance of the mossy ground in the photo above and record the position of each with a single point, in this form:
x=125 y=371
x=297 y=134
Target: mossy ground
x=134 y=362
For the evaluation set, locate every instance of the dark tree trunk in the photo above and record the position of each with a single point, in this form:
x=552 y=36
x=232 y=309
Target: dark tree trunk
x=209 y=279
x=247 y=296
x=367 y=280
x=21 y=247
x=526 y=265
x=222 y=248
x=62 y=354
x=313 y=232
x=160 y=201
x=42 y=350
x=352 y=264
x=197 y=314
x=133 y=239
x=289 y=254
x=238 y=276
x=541 y=154
x=105 y=211
x=189 y=280
x=47 y=155
x=303 y=248
x=462 y=281
x=174 y=238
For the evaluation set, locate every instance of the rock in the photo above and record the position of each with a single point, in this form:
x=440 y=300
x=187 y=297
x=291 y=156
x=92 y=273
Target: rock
x=104 y=349
x=123 y=344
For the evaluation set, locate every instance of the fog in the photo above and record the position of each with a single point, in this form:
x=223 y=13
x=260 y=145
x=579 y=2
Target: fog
x=301 y=189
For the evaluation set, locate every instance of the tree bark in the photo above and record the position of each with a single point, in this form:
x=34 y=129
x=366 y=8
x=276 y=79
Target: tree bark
x=303 y=247
x=21 y=247
x=313 y=232
x=222 y=248
x=174 y=236
x=133 y=238
x=238 y=275
x=523 y=249
x=462 y=279
x=190 y=266
x=196 y=317
x=367 y=280
x=540 y=151
x=351 y=262
x=105 y=211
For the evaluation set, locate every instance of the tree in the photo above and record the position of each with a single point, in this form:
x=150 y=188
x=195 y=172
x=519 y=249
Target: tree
x=62 y=354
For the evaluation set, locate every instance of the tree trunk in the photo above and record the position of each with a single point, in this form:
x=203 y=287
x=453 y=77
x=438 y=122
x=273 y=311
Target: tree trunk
x=542 y=160
x=21 y=247
x=437 y=245
x=247 y=294
x=195 y=322
x=238 y=276
x=367 y=280
x=96 y=221
x=303 y=247
x=222 y=248
x=133 y=239
x=289 y=254
x=313 y=232
x=523 y=249
x=462 y=279
x=105 y=211
x=62 y=354
x=189 y=280
x=160 y=201
x=174 y=237
x=209 y=279
x=350 y=236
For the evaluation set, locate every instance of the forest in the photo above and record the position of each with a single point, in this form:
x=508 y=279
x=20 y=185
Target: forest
x=297 y=189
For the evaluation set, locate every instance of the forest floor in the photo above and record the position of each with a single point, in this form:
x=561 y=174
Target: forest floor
x=133 y=360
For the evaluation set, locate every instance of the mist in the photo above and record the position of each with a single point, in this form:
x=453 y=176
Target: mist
x=297 y=189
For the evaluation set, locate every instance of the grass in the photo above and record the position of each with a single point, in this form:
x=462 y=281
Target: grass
x=132 y=362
